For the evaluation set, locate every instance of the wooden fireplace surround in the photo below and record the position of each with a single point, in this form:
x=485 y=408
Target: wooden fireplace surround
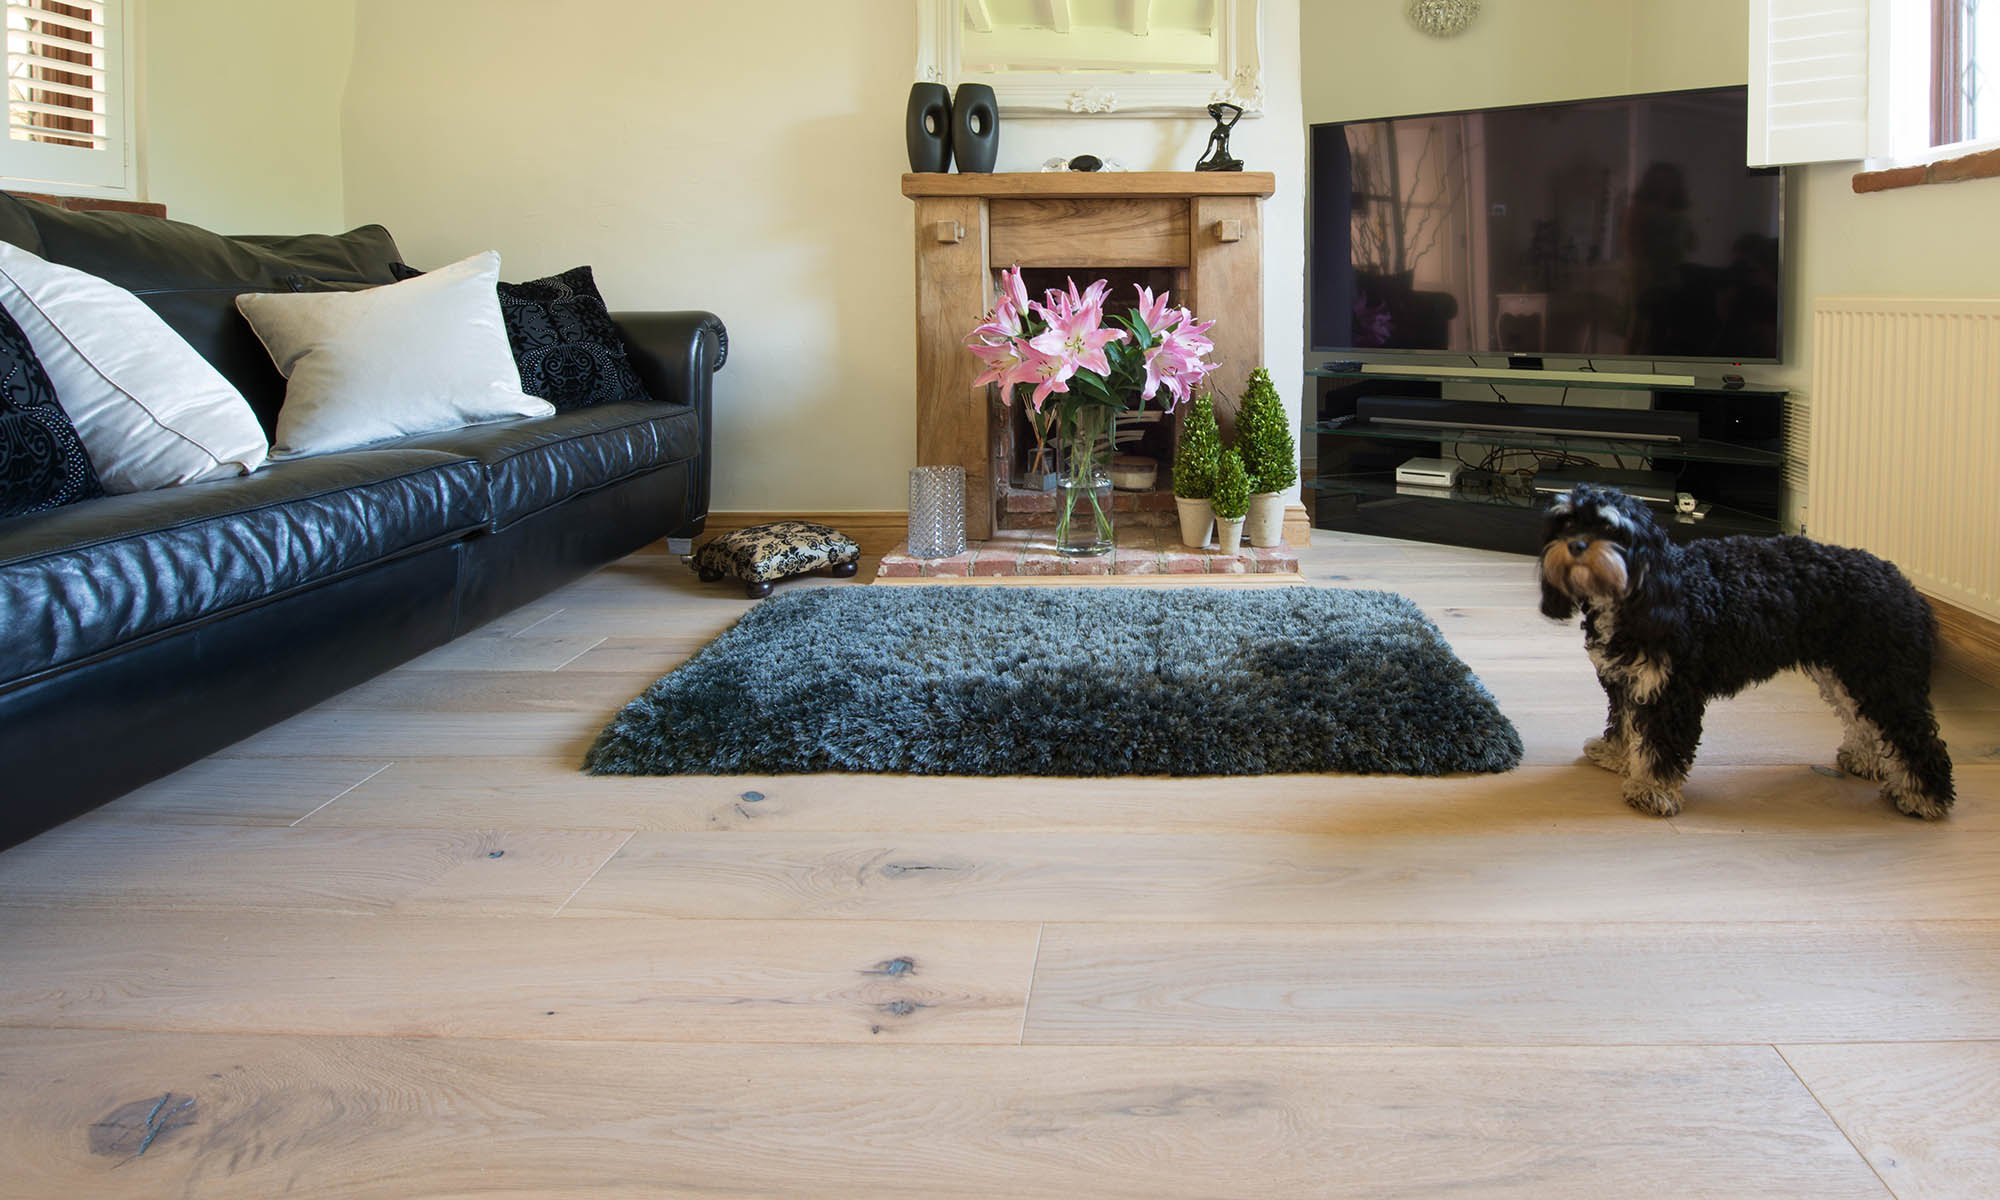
x=1203 y=226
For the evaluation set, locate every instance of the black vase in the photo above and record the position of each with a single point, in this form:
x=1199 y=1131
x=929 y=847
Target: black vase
x=927 y=128
x=975 y=127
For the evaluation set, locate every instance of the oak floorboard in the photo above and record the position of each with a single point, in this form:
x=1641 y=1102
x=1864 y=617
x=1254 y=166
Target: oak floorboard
x=244 y=791
x=311 y=868
x=526 y=651
x=1926 y=1115
x=339 y=1117
x=397 y=976
x=1640 y=873
x=524 y=793
x=332 y=732
x=1594 y=984
x=547 y=691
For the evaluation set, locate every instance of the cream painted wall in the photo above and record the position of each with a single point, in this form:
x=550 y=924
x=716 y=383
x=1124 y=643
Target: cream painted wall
x=740 y=158
x=239 y=111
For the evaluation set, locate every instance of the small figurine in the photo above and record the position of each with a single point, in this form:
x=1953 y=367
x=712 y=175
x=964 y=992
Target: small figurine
x=1216 y=158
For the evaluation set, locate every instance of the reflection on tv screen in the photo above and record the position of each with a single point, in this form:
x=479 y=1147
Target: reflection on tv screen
x=1623 y=227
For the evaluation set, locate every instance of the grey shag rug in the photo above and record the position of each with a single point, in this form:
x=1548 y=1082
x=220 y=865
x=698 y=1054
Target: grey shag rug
x=1066 y=681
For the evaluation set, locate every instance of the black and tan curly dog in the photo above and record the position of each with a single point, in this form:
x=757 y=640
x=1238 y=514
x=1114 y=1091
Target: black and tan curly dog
x=1670 y=628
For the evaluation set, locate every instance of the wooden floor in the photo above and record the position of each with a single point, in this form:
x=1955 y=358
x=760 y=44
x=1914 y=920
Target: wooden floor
x=398 y=946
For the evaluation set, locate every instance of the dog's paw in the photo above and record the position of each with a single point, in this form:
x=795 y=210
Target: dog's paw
x=1652 y=799
x=1862 y=764
x=1606 y=753
x=1914 y=804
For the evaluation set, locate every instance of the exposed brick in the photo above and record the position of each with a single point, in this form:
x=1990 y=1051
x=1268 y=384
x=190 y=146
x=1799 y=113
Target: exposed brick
x=1036 y=563
x=1100 y=564
x=956 y=567
x=1019 y=501
x=1184 y=562
x=991 y=563
x=1228 y=564
x=1161 y=501
x=1894 y=177
x=1274 y=558
x=1983 y=165
x=899 y=568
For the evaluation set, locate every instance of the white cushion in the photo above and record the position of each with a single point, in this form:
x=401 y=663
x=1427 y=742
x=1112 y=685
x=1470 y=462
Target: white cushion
x=150 y=410
x=419 y=356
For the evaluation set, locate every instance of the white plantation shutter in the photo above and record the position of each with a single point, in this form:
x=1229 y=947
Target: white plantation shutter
x=66 y=96
x=1809 y=80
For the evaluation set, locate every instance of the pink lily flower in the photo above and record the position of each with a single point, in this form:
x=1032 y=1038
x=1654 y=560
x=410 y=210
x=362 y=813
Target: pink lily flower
x=1160 y=368
x=1153 y=312
x=1053 y=372
x=1076 y=331
x=1012 y=290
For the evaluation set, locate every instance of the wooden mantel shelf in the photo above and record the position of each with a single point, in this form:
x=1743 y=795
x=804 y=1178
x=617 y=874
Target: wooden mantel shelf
x=1062 y=185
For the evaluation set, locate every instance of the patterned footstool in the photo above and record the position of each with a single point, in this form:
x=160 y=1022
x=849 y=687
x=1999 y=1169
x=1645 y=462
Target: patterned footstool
x=762 y=554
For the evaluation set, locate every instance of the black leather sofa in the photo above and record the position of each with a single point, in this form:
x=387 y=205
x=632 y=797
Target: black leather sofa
x=141 y=632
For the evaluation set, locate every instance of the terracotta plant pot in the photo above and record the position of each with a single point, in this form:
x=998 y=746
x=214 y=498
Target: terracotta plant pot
x=1264 y=524
x=1197 y=521
x=1229 y=534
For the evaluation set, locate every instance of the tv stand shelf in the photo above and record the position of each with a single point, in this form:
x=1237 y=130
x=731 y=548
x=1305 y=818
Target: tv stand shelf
x=1700 y=450
x=1735 y=465
x=1500 y=376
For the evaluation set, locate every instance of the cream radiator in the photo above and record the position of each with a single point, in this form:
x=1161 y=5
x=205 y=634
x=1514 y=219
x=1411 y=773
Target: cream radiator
x=1905 y=439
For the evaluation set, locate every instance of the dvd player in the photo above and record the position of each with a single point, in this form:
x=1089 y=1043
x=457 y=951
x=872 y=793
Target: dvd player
x=1425 y=412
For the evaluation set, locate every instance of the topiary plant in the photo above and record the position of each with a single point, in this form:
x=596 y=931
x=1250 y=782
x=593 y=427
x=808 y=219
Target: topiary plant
x=1264 y=436
x=1200 y=447
x=1232 y=488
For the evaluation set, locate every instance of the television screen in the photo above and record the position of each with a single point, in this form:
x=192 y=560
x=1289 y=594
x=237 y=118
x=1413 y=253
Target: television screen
x=1625 y=227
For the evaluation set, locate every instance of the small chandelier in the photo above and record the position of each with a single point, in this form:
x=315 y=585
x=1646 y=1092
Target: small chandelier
x=1443 y=18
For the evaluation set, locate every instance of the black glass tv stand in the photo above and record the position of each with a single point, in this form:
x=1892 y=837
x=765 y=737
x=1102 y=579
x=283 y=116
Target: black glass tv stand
x=1733 y=467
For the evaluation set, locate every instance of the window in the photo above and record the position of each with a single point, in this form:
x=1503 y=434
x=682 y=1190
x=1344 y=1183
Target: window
x=67 y=117
x=1897 y=82
x=1963 y=108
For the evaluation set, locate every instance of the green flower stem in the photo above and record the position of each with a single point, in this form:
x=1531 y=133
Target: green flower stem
x=1087 y=427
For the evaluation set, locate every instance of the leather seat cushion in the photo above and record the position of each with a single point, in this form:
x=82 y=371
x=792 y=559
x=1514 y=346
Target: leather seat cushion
x=94 y=576
x=534 y=463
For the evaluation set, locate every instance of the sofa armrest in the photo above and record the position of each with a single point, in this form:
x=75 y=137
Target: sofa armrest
x=676 y=355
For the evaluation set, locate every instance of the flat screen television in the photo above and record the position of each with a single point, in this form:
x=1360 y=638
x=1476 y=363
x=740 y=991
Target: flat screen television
x=1624 y=228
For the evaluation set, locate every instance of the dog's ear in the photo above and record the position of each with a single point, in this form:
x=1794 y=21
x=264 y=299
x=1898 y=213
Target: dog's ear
x=1652 y=610
x=1556 y=604
x=1556 y=518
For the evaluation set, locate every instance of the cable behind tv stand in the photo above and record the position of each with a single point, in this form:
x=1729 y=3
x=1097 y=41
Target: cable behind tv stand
x=1727 y=448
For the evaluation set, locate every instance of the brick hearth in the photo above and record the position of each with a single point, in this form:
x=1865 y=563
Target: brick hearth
x=1141 y=550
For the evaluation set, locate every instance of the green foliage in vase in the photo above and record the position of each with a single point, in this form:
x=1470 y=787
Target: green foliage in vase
x=1264 y=436
x=1232 y=488
x=1195 y=459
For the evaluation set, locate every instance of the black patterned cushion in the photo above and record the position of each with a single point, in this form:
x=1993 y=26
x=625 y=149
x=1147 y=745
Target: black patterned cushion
x=42 y=463
x=762 y=553
x=568 y=350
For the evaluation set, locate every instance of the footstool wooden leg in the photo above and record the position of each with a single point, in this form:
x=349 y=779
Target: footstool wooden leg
x=843 y=570
x=710 y=574
x=757 y=589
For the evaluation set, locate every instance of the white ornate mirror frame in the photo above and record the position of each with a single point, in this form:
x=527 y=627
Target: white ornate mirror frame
x=1238 y=76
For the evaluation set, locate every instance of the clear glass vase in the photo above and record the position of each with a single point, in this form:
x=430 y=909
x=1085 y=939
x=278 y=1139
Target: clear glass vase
x=1083 y=494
